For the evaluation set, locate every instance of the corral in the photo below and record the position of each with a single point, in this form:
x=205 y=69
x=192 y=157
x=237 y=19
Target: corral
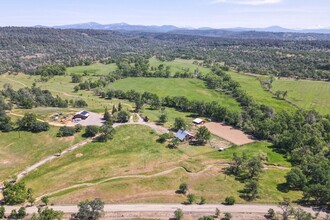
x=229 y=133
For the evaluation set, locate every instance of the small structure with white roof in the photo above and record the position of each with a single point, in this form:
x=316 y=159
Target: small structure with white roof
x=198 y=121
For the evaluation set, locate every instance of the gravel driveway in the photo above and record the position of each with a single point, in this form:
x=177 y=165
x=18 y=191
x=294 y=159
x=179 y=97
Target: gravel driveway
x=93 y=119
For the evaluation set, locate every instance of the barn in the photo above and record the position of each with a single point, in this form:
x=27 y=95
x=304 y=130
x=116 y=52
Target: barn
x=82 y=115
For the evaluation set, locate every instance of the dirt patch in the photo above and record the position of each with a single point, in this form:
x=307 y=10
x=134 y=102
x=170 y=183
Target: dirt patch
x=79 y=155
x=229 y=133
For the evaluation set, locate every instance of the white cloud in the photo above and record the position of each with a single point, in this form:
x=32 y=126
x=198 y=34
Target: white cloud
x=249 y=2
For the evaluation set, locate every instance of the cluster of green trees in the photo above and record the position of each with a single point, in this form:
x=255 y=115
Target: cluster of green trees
x=304 y=136
x=30 y=123
x=248 y=171
x=50 y=70
x=33 y=97
x=207 y=109
x=16 y=193
x=68 y=131
x=277 y=55
x=5 y=120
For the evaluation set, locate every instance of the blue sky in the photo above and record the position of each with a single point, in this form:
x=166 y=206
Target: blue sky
x=183 y=13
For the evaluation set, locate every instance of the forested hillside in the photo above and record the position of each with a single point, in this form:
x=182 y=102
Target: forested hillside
x=23 y=49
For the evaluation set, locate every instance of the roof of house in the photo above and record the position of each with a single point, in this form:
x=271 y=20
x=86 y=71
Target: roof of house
x=198 y=120
x=181 y=134
x=83 y=112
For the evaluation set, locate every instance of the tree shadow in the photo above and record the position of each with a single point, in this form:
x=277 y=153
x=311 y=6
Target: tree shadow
x=283 y=187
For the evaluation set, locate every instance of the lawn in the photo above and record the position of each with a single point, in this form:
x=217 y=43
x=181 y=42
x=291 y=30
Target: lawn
x=253 y=88
x=193 y=89
x=93 y=69
x=21 y=149
x=306 y=94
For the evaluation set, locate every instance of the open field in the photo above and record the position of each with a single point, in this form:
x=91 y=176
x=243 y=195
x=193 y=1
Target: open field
x=21 y=149
x=306 y=94
x=211 y=184
x=253 y=88
x=179 y=65
x=253 y=149
x=93 y=69
x=193 y=89
x=229 y=133
x=61 y=86
x=133 y=168
x=153 y=116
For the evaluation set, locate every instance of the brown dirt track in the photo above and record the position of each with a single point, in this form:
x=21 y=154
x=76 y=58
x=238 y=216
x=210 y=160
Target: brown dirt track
x=229 y=133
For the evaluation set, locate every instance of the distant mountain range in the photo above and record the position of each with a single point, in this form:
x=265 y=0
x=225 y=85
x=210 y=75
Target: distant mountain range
x=171 y=28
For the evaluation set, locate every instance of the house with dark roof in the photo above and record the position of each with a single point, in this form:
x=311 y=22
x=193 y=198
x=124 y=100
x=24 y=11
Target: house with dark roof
x=82 y=115
x=183 y=135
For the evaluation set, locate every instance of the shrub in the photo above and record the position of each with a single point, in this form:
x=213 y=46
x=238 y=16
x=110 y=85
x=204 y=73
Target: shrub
x=66 y=131
x=228 y=216
x=203 y=200
x=2 y=212
x=271 y=214
x=178 y=214
x=191 y=198
x=230 y=200
x=78 y=127
x=183 y=188
x=91 y=131
x=79 y=103
x=163 y=137
x=217 y=212
x=21 y=213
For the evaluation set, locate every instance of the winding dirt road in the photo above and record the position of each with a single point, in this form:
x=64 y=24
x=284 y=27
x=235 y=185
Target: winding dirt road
x=157 y=128
x=124 y=177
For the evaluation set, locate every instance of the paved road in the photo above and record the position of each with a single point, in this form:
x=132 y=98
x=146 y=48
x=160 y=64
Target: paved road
x=170 y=208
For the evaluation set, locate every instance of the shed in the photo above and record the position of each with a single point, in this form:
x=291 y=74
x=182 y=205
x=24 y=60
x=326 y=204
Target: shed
x=198 y=121
x=82 y=114
x=183 y=135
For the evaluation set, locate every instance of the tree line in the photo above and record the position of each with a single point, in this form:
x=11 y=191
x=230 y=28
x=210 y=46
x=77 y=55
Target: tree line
x=36 y=47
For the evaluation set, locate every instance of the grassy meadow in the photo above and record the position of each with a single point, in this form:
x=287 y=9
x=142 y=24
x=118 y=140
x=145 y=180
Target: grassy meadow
x=306 y=94
x=18 y=150
x=179 y=65
x=193 y=89
x=134 y=151
x=93 y=69
x=253 y=88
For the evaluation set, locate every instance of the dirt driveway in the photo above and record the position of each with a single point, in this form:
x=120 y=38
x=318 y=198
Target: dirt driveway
x=229 y=133
x=93 y=119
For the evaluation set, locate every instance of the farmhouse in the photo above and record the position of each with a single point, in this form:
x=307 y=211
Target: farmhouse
x=183 y=135
x=198 y=121
x=82 y=114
